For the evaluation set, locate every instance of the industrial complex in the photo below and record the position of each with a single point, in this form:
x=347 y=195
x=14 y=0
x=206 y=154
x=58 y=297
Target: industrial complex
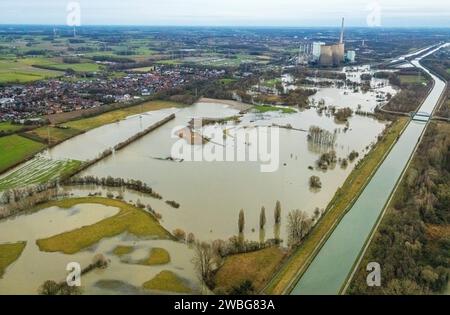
x=324 y=54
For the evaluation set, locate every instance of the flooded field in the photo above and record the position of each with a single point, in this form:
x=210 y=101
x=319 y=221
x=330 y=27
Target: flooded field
x=347 y=95
x=210 y=194
x=34 y=267
x=216 y=191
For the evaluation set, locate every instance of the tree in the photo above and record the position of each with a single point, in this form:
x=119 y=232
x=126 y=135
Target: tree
x=262 y=218
x=204 y=262
x=314 y=182
x=49 y=287
x=245 y=288
x=277 y=213
x=299 y=225
x=241 y=222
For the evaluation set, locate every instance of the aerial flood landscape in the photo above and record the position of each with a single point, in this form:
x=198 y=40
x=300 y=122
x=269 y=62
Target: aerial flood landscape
x=148 y=160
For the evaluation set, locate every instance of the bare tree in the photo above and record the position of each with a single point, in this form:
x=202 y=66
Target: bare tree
x=299 y=225
x=204 y=262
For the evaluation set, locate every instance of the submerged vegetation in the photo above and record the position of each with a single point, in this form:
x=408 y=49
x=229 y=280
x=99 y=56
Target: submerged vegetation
x=157 y=256
x=343 y=198
x=130 y=219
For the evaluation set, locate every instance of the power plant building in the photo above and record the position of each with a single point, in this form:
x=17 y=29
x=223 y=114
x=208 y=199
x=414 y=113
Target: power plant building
x=317 y=50
x=331 y=55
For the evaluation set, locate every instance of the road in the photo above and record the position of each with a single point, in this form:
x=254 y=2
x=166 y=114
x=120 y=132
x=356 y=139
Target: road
x=335 y=261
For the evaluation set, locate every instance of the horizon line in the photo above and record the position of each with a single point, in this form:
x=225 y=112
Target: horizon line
x=229 y=26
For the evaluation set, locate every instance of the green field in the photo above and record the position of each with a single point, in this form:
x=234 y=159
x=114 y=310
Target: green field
x=410 y=79
x=9 y=253
x=122 y=250
x=129 y=219
x=15 y=149
x=18 y=71
x=57 y=63
x=38 y=170
x=157 y=256
x=256 y=267
x=268 y=108
x=116 y=115
x=167 y=281
x=8 y=127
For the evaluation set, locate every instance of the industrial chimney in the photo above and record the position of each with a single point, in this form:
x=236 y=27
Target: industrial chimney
x=342 y=32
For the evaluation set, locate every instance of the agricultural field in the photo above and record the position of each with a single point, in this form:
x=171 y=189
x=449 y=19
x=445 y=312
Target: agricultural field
x=8 y=127
x=57 y=64
x=38 y=170
x=222 y=61
x=15 y=149
x=18 y=71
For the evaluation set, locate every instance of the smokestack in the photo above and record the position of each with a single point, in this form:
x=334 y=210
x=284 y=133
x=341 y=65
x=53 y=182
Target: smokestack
x=342 y=32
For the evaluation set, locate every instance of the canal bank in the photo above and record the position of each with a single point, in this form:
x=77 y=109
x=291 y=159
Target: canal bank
x=335 y=260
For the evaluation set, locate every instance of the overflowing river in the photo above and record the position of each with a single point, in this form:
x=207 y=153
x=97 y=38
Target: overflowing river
x=211 y=194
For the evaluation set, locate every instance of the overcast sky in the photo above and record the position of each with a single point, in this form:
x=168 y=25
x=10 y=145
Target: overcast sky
x=231 y=12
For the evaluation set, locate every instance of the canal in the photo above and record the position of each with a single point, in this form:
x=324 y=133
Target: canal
x=332 y=265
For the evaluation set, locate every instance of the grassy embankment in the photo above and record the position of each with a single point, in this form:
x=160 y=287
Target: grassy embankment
x=167 y=281
x=9 y=253
x=343 y=199
x=129 y=219
x=256 y=267
x=15 y=149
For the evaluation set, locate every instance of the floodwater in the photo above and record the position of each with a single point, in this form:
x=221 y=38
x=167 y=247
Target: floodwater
x=88 y=145
x=346 y=96
x=211 y=194
x=34 y=267
x=329 y=269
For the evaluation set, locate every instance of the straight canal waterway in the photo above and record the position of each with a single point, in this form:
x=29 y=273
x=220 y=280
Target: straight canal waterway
x=332 y=265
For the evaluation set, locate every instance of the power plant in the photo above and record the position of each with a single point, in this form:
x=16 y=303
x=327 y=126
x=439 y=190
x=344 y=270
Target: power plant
x=326 y=54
